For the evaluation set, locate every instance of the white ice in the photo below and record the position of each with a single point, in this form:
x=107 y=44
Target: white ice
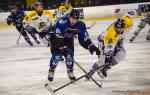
x=23 y=69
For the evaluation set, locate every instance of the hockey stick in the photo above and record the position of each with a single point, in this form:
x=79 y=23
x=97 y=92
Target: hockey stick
x=87 y=73
x=55 y=90
x=91 y=25
x=67 y=84
x=98 y=48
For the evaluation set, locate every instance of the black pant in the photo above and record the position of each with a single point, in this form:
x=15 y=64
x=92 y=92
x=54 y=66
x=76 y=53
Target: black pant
x=21 y=30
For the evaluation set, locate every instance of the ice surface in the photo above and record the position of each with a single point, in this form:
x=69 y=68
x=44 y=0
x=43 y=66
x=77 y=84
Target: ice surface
x=23 y=69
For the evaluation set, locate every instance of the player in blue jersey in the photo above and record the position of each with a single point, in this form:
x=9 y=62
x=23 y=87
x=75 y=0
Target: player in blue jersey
x=62 y=42
x=16 y=17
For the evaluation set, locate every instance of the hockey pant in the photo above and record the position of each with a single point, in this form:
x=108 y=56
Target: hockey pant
x=56 y=56
x=119 y=55
x=44 y=37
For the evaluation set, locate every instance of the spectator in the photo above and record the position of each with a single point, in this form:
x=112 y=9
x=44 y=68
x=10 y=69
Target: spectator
x=89 y=3
x=82 y=3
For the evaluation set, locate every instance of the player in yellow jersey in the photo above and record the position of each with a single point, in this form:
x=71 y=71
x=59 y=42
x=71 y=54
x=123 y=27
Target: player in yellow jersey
x=63 y=10
x=111 y=42
x=39 y=21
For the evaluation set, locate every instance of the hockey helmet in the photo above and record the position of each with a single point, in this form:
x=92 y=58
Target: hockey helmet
x=120 y=23
x=75 y=14
x=12 y=6
x=38 y=4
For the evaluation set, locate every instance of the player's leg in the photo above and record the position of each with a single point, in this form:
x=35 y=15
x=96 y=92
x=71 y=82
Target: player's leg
x=70 y=64
x=44 y=37
x=100 y=62
x=56 y=55
x=141 y=25
x=119 y=55
x=33 y=34
x=24 y=34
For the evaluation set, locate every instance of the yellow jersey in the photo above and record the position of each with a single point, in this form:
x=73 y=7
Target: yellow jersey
x=110 y=36
x=40 y=23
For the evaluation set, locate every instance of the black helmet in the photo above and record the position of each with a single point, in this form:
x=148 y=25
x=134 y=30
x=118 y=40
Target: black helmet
x=12 y=6
x=38 y=4
x=120 y=23
x=75 y=14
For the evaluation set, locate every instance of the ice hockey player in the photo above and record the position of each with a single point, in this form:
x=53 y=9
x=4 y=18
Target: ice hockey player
x=16 y=18
x=112 y=44
x=143 y=22
x=62 y=11
x=39 y=21
x=63 y=43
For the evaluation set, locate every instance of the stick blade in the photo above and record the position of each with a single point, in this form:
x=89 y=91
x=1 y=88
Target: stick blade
x=49 y=88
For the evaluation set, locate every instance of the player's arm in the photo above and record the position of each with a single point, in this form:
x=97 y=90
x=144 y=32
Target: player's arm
x=57 y=39
x=85 y=40
x=27 y=20
x=50 y=14
x=20 y=19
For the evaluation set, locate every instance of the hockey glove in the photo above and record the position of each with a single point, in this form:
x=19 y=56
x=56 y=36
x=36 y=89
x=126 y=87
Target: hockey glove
x=93 y=48
x=9 y=21
x=100 y=39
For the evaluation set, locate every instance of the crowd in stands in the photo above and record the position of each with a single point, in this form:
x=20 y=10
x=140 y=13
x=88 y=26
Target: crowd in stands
x=53 y=4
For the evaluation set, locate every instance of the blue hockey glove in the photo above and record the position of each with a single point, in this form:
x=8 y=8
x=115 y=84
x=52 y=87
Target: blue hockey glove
x=9 y=21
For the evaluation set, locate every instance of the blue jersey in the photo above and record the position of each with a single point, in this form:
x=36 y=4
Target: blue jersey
x=64 y=30
x=16 y=19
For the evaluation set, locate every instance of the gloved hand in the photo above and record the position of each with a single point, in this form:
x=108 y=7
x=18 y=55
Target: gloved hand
x=9 y=21
x=27 y=27
x=145 y=8
x=100 y=39
x=93 y=48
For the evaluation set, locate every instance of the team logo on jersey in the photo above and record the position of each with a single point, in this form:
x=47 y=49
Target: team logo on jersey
x=110 y=41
